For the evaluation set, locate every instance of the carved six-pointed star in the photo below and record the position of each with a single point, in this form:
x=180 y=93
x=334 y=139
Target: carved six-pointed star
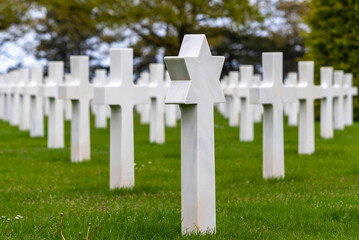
x=194 y=69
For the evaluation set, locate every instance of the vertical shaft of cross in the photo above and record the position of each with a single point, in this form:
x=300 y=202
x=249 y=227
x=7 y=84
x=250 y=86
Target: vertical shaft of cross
x=326 y=103
x=80 y=132
x=338 y=101
x=37 y=118
x=306 y=126
x=233 y=99
x=156 y=119
x=122 y=173
x=246 y=125
x=246 y=120
x=157 y=127
x=197 y=168
x=55 y=123
x=273 y=150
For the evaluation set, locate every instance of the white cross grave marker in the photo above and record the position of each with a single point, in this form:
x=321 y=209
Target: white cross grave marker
x=350 y=92
x=33 y=89
x=232 y=98
x=326 y=104
x=121 y=95
x=292 y=108
x=170 y=109
x=67 y=103
x=80 y=92
x=195 y=86
x=307 y=92
x=24 y=99
x=339 y=100
x=144 y=109
x=156 y=93
x=273 y=94
x=246 y=131
x=15 y=98
x=100 y=111
x=55 y=126
x=257 y=108
x=2 y=96
x=8 y=98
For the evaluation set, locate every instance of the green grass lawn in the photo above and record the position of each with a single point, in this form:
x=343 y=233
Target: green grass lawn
x=318 y=199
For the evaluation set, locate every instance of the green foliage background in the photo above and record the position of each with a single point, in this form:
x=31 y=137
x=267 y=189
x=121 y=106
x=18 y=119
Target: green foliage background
x=334 y=37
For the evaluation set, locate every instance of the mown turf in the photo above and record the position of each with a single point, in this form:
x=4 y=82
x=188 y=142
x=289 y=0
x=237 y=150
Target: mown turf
x=318 y=199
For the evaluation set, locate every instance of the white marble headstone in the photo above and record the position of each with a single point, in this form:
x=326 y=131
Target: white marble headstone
x=156 y=93
x=326 y=104
x=292 y=108
x=34 y=91
x=273 y=94
x=257 y=108
x=67 y=103
x=307 y=93
x=170 y=109
x=195 y=87
x=100 y=111
x=121 y=95
x=15 y=98
x=349 y=92
x=8 y=98
x=144 y=109
x=339 y=100
x=55 y=125
x=80 y=92
x=24 y=99
x=232 y=98
x=246 y=130
x=2 y=96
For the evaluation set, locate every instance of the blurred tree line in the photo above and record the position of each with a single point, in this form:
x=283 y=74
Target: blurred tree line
x=238 y=29
x=334 y=37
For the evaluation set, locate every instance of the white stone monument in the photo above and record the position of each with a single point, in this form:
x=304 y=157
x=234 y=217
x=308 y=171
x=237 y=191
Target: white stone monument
x=55 y=125
x=24 y=124
x=8 y=98
x=144 y=109
x=67 y=103
x=349 y=92
x=100 y=111
x=170 y=109
x=273 y=94
x=257 y=108
x=307 y=92
x=156 y=93
x=15 y=98
x=292 y=108
x=326 y=103
x=121 y=95
x=2 y=96
x=195 y=86
x=246 y=130
x=36 y=103
x=80 y=92
x=339 y=100
x=232 y=98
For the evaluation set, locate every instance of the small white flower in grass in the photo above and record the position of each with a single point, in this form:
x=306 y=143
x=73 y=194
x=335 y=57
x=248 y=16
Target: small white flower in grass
x=149 y=162
x=143 y=165
x=8 y=219
x=19 y=216
x=16 y=217
x=2 y=217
